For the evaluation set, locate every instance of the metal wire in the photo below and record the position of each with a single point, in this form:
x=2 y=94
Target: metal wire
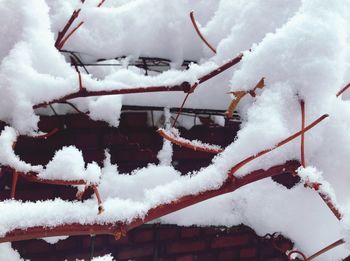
x=148 y=64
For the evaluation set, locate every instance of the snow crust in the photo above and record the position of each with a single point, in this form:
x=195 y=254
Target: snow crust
x=301 y=48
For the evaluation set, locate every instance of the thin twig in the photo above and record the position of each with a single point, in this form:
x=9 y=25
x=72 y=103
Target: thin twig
x=74 y=62
x=46 y=135
x=279 y=144
x=99 y=201
x=343 y=90
x=318 y=253
x=221 y=69
x=101 y=3
x=200 y=34
x=327 y=248
x=181 y=108
x=62 y=39
x=185 y=86
x=74 y=107
x=207 y=77
x=302 y=151
x=66 y=27
x=314 y=186
x=32 y=177
x=335 y=210
x=188 y=144
x=14 y=184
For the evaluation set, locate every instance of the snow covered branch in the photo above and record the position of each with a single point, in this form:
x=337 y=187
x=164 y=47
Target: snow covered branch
x=184 y=86
x=172 y=135
x=302 y=51
x=119 y=228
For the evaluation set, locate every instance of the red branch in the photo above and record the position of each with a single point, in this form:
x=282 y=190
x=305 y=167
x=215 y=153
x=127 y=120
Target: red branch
x=330 y=205
x=64 y=40
x=302 y=151
x=200 y=34
x=343 y=90
x=281 y=143
x=14 y=183
x=327 y=248
x=47 y=135
x=99 y=201
x=66 y=27
x=187 y=143
x=118 y=228
x=325 y=197
x=207 y=77
x=318 y=253
x=219 y=70
x=61 y=230
x=101 y=3
x=62 y=37
x=314 y=186
x=181 y=108
x=32 y=177
x=185 y=86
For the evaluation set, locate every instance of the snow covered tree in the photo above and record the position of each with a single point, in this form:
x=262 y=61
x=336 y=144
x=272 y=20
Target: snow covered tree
x=282 y=65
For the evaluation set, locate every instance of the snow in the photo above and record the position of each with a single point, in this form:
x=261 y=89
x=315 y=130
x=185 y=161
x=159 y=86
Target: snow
x=106 y=108
x=108 y=257
x=7 y=253
x=54 y=240
x=300 y=47
x=74 y=167
x=310 y=175
x=165 y=155
x=8 y=138
x=135 y=186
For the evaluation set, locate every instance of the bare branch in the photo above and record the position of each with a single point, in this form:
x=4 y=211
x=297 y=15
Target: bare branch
x=189 y=144
x=279 y=144
x=343 y=90
x=200 y=34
